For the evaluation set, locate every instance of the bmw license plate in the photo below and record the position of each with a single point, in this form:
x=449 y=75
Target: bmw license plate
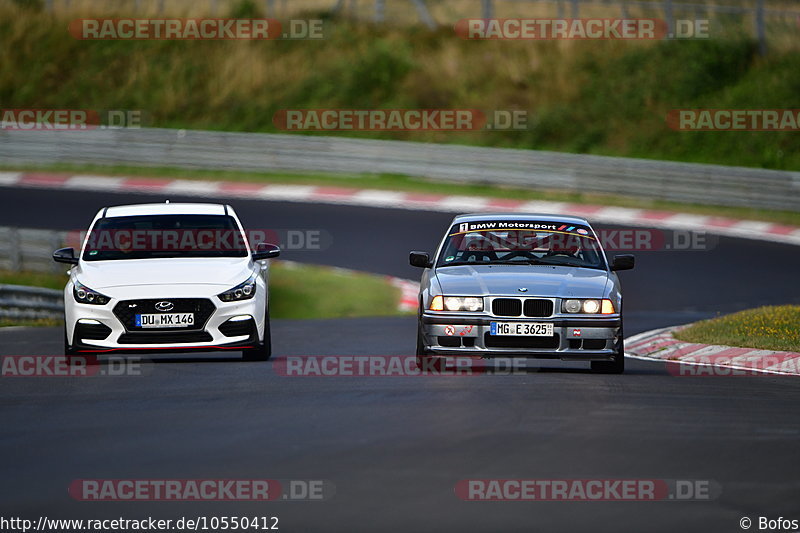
x=165 y=320
x=528 y=329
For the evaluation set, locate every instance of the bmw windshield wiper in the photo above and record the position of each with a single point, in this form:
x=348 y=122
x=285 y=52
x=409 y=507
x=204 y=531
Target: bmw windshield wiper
x=530 y=261
x=489 y=263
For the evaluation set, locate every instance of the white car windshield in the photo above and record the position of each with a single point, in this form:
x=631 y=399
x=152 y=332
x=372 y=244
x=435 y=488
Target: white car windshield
x=157 y=236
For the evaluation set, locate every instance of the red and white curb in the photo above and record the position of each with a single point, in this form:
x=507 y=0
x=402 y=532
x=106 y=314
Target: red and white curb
x=409 y=290
x=661 y=345
x=750 y=229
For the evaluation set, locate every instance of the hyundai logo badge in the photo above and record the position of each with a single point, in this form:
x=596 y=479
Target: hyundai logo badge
x=165 y=306
x=522 y=289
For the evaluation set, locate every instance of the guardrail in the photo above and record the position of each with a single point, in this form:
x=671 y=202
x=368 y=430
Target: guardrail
x=30 y=303
x=662 y=180
x=23 y=249
x=30 y=250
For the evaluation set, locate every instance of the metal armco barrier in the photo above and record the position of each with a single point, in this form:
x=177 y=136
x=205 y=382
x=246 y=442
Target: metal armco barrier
x=661 y=180
x=18 y=302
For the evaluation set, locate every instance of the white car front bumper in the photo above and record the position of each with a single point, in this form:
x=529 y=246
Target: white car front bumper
x=111 y=327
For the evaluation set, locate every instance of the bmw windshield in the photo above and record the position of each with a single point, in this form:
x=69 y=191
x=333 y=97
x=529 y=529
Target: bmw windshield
x=158 y=236
x=521 y=242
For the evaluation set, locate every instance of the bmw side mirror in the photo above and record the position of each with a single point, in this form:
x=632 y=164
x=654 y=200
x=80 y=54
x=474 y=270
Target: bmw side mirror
x=65 y=255
x=623 y=262
x=265 y=251
x=420 y=259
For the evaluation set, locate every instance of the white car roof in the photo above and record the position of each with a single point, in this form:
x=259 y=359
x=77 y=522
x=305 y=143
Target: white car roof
x=165 y=209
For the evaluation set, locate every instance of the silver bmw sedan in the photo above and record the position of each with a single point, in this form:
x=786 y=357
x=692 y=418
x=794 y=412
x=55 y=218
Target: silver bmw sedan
x=525 y=285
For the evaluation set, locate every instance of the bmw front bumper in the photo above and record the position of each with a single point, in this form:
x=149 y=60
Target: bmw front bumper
x=574 y=339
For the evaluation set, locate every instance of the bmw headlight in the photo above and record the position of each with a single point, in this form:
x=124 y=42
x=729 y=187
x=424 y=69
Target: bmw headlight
x=589 y=306
x=85 y=295
x=457 y=303
x=243 y=291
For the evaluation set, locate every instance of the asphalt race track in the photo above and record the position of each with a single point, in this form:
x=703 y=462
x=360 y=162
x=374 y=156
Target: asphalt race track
x=394 y=448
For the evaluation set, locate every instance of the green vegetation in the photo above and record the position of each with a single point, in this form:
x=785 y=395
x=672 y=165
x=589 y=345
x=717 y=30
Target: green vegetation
x=296 y=291
x=396 y=182
x=601 y=97
x=34 y=279
x=31 y=323
x=319 y=292
x=765 y=328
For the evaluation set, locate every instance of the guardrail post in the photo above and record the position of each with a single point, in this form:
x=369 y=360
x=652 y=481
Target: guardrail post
x=380 y=11
x=761 y=31
x=56 y=242
x=669 y=16
x=486 y=9
x=15 y=250
x=424 y=15
x=575 y=9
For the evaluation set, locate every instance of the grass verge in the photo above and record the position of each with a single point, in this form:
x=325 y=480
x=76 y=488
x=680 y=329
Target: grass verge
x=764 y=328
x=39 y=322
x=296 y=291
x=302 y=292
x=396 y=182
x=34 y=279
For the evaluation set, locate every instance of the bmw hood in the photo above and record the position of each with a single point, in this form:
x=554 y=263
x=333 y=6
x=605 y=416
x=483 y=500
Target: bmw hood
x=224 y=272
x=506 y=280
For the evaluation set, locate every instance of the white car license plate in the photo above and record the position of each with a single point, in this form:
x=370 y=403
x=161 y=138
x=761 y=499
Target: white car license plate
x=529 y=329
x=165 y=320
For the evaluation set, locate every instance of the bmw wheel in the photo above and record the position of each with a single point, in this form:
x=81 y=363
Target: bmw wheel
x=617 y=366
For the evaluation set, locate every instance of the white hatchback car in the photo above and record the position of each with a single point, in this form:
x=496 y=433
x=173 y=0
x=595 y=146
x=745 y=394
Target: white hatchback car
x=171 y=277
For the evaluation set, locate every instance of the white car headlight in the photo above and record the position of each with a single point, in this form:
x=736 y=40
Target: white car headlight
x=243 y=291
x=85 y=295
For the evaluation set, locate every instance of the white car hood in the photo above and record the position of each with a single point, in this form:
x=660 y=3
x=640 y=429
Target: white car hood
x=540 y=280
x=223 y=272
